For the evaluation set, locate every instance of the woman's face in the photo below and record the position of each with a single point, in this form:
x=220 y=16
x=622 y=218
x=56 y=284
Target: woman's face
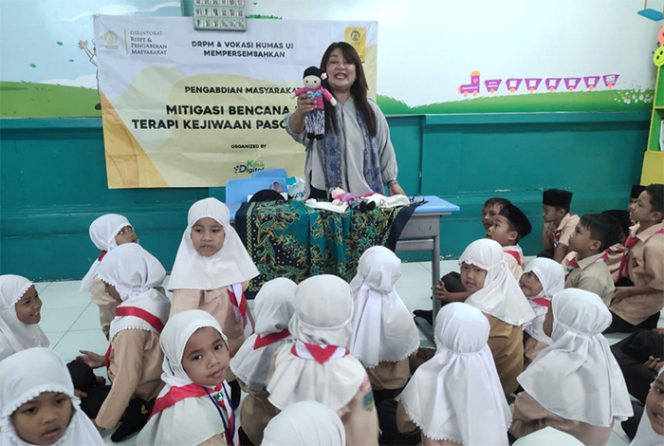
x=341 y=72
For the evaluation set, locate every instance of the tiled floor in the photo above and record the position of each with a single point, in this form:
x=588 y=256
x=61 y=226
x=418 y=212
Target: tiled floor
x=71 y=320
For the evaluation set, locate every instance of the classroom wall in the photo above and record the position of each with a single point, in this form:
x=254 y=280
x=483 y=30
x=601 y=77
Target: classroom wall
x=53 y=180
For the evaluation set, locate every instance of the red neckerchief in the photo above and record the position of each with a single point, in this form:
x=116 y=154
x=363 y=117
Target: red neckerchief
x=193 y=390
x=262 y=341
x=140 y=313
x=543 y=301
x=613 y=249
x=101 y=256
x=319 y=352
x=241 y=308
x=571 y=265
x=629 y=244
x=514 y=254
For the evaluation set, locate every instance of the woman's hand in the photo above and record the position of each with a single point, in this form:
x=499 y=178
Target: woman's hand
x=396 y=189
x=305 y=104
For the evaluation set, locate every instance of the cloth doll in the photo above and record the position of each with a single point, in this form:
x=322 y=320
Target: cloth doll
x=314 y=123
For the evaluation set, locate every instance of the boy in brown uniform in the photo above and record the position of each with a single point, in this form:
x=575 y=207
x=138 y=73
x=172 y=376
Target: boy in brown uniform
x=559 y=223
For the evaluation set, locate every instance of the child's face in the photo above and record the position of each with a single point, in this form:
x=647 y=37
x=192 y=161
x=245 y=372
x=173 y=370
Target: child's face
x=655 y=405
x=551 y=213
x=488 y=213
x=631 y=206
x=113 y=292
x=472 y=277
x=126 y=235
x=44 y=419
x=206 y=357
x=28 y=308
x=501 y=232
x=547 y=325
x=207 y=236
x=530 y=284
x=643 y=212
x=581 y=241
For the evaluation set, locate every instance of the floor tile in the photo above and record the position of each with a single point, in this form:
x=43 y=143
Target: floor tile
x=54 y=337
x=58 y=319
x=88 y=319
x=73 y=341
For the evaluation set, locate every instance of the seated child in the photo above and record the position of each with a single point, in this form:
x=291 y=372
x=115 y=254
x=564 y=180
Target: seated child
x=508 y=228
x=194 y=407
x=542 y=279
x=106 y=232
x=491 y=208
x=592 y=236
x=303 y=424
x=638 y=306
x=273 y=309
x=558 y=225
x=575 y=385
x=613 y=254
x=134 y=357
x=318 y=366
x=651 y=427
x=640 y=356
x=633 y=198
x=37 y=402
x=496 y=293
x=20 y=308
x=384 y=333
x=455 y=397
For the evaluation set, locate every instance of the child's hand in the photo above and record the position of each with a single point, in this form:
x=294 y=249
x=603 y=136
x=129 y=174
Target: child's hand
x=440 y=291
x=92 y=359
x=658 y=330
x=653 y=363
x=80 y=394
x=620 y=294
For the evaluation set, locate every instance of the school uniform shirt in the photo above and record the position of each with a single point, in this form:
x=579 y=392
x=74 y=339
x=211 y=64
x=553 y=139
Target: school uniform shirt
x=456 y=396
x=563 y=232
x=612 y=257
x=384 y=333
x=273 y=308
x=514 y=260
x=185 y=412
x=318 y=366
x=645 y=267
x=200 y=282
x=592 y=274
x=14 y=334
x=575 y=385
x=105 y=302
x=303 y=424
x=27 y=374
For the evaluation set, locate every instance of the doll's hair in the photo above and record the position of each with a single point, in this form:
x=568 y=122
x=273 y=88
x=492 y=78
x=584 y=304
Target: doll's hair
x=358 y=89
x=312 y=71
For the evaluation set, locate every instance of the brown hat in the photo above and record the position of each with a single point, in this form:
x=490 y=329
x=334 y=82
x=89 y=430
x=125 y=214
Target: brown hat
x=517 y=218
x=557 y=197
x=636 y=190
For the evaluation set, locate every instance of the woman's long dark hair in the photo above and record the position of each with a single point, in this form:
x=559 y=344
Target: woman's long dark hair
x=358 y=90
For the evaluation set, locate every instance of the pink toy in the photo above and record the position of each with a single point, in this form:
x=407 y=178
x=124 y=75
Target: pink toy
x=314 y=122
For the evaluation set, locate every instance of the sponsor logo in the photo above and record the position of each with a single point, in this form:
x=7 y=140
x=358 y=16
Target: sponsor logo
x=250 y=166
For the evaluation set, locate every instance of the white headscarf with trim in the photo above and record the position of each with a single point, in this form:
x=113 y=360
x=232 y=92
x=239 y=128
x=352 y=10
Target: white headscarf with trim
x=577 y=377
x=230 y=265
x=191 y=420
x=456 y=395
x=305 y=423
x=551 y=275
x=383 y=328
x=501 y=295
x=14 y=334
x=135 y=273
x=273 y=309
x=27 y=374
x=102 y=233
x=323 y=316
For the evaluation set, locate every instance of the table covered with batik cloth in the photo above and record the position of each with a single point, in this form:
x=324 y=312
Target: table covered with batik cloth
x=290 y=239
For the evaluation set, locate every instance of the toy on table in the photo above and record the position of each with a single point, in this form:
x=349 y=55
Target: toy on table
x=357 y=203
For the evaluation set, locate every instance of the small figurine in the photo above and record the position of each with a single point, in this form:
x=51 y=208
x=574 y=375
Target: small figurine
x=357 y=203
x=314 y=122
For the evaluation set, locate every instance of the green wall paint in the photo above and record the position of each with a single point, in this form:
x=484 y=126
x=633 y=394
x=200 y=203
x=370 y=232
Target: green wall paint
x=53 y=180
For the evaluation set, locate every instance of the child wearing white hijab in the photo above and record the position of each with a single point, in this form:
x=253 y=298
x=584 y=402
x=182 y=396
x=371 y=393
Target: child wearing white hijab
x=194 y=408
x=212 y=269
x=318 y=366
x=384 y=332
x=273 y=309
x=496 y=293
x=542 y=278
x=37 y=402
x=106 y=232
x=19 y=315
x=305 y=423
x=455 y=397
x=575 y=385
x=134 y=357
x=651 y=427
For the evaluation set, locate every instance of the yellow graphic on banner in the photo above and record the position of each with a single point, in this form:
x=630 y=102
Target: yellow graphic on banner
x=357 y=36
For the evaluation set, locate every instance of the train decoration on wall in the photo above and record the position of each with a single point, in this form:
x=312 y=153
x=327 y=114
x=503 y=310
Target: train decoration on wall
x=532 y=84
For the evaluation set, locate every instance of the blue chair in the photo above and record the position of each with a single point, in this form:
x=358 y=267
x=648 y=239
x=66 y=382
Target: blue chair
x=278 y=172
x=237 y=190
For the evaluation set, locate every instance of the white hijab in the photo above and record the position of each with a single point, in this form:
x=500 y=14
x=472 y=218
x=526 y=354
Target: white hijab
x=230 y=265
x=14 y=334
x=577 y=377
x=323 y=316
x=501 y=295
x=273 y=309
x=383 y=328
x=102 y=233
x=305 y=423
x=456 y=395
x=551 y=275
x=135 y=273
x=191 y=420
x=645 y=434
x=27 y=374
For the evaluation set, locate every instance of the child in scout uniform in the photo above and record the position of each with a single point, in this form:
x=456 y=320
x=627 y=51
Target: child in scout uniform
x=558 y=224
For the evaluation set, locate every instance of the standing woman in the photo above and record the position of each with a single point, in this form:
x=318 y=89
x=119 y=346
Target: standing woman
x=355 y=153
